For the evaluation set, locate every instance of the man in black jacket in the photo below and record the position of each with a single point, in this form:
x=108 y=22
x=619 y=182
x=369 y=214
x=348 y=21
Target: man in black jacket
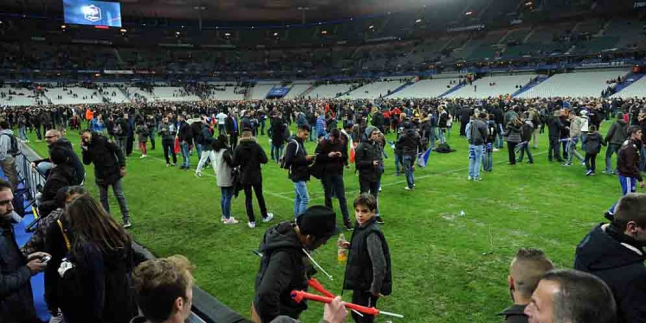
x=628 y=165
x=525 y=271
x=555 y=126
x=409 y=144
x=297 y=162
x=16 y=300
x=282 y=267
x=109 y=168
x=54 y=139
x=614 y=252
x=249 y=156
x=277 y=135
x=185 y=135
x=332 y=156
x=369 y=162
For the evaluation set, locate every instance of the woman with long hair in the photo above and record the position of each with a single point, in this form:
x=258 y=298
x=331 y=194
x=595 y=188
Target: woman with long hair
x=223 y=161
x=94 y=276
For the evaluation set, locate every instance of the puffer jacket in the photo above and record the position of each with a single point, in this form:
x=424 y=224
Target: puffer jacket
x=366 y=153
x=512 y=134
x=617 y=133
x=107 y=159
x=409 y=142
x=333 y=166
x=249 y=156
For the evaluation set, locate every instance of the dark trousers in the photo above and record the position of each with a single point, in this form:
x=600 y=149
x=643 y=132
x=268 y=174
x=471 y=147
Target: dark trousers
x=364 y=299
x=591 y=162
x=564 y=148
x=511 y=149
x=233 y=140
x=257 y=188
x=169 y=148
x=129 y=145
x=555 y=150
x=334 y=183
x=366 y=186
x=152 y=140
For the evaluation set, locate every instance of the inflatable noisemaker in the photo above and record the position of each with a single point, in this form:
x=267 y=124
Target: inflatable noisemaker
x=314 y=283
x=299 y=296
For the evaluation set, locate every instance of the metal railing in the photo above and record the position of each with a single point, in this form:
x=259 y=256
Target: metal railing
x=28 y=176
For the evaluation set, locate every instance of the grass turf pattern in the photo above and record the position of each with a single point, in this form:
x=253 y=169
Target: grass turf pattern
x=446 y=267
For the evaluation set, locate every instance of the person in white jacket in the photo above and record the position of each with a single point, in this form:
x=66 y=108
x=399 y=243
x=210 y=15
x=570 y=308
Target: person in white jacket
x=223 y=161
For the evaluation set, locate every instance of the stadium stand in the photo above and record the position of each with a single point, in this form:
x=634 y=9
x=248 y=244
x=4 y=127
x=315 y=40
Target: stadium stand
x=74 y=95
x=298 y=89
x=260 y=91
x=426 y=88
x=492 y=86
x=17 y=97
x=328 y=91
x=635 y=90
x=375 y=90
x=173 y=94
x=582 y=84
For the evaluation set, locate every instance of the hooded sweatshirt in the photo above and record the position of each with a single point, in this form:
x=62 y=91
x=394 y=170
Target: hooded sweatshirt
x=619 y=261
x=282 y=269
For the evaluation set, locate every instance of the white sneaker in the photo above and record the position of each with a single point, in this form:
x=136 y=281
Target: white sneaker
x=231 y=220
x=198 y=174
x=469 y=178
x=252 y=225
x=142 y=156
x=269 y=217
x=407 y=188
x=222 y=218
x=496 y=150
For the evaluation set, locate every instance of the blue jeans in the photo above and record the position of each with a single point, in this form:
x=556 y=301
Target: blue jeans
x=408 y=167
x=44 y=167
x=525 y=149
x=487 y=159
x=642 y=158
x=151 y=135
x=499 y=139
x=475 y=158
x=313 y=132
x=571 y=151
x=117 y=189
x=276 y=151
x=225 y=201
x=612 y=149
x=442 y=136
x=23 y=133
x=398 y=162
x=301 y=199
x=199 y=151
x=186 y=158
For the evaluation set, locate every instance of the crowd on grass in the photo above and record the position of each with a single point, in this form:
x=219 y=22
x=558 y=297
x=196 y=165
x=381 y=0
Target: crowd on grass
x=92 y=273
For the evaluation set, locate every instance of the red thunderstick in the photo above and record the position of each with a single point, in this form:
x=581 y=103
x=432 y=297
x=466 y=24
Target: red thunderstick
x=299 y=296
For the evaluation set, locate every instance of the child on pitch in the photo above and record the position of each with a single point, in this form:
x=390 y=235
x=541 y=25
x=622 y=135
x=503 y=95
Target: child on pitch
x=368 y=270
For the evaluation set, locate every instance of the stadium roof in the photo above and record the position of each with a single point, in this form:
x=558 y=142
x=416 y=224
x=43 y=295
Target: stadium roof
x=242 y=10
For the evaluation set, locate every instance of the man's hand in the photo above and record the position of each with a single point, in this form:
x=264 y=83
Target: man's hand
x=37 y=255
x=641 y=184
x=83 y=146
x=332 y=154
x=35 y=264
x=335 y=312
x=375 y=163
x=309 y=158
x=122 y=172
x=33 y=165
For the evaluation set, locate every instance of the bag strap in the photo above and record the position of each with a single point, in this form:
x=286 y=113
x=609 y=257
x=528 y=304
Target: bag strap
x=67 y=240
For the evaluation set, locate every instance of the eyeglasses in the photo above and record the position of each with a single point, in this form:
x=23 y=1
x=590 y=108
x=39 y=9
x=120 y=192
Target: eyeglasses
x=49 y=137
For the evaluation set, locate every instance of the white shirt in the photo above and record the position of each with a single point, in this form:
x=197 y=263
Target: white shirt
x=221 y=118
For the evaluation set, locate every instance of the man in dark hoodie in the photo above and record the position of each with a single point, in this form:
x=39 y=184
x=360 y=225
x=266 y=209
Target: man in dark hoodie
x=332 y=156
x=185 y=135
x=369 y=162
x=55 y=139
x=109 y=169
x=628 y=165
x=297 y=161
x=409 y=143
x=249 y=156
x=615 y=138
x=284 y=266
x=554 y=127
x=614 y=252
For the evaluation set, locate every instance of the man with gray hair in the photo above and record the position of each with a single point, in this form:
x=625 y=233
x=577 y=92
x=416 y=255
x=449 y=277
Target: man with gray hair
x=571 y=296
x=614 y=252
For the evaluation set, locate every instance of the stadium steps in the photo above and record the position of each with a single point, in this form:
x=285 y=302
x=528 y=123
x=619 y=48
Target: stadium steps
x=308 y=91
x=401 y=87
x=453 y=89
x=631 y=78
x=539 y=79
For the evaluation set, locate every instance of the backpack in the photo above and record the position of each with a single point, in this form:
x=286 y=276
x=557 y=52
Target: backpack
x=14 y=149
x=282 y=158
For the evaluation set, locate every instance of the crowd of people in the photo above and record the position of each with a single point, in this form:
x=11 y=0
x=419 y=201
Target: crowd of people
x=83 y=249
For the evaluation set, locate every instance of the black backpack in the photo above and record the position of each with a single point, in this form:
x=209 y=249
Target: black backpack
x=14 y=149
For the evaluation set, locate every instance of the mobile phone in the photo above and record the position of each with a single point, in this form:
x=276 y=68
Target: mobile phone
x=45 y=259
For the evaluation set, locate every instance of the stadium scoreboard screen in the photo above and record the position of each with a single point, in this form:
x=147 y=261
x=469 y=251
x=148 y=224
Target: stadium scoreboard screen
x=94 y=13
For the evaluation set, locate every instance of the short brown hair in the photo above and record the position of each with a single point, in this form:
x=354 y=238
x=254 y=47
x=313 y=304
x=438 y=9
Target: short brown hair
x=4 y=185
x=527 y=269
x=631 y=207
x=159 y=282
x=367 y=200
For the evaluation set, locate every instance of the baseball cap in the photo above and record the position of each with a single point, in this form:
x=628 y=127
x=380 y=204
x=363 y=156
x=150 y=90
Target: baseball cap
x=319 y=221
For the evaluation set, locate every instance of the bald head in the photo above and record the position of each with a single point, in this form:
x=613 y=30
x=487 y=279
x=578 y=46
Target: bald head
x=51 y=136
x=527 y=269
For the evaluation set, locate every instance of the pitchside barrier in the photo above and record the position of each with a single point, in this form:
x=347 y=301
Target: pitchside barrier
x=206 y=308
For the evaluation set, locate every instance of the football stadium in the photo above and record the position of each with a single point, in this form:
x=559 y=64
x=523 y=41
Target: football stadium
x=168 y=161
